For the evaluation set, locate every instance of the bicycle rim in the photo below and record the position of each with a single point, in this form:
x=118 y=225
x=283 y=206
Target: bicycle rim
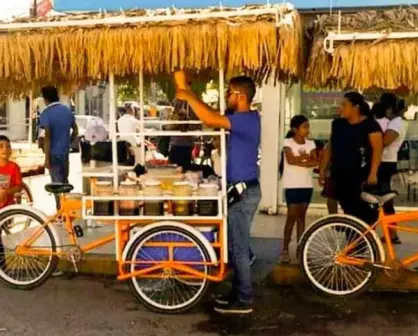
x=172 y=291
x=318 y=259
x=24 y=270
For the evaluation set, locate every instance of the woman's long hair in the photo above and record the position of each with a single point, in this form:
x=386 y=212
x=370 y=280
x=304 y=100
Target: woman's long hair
x=357 y=99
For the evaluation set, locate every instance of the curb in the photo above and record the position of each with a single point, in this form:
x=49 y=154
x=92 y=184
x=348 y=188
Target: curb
x=282 y=275
x=286 y=275
x=92 y=263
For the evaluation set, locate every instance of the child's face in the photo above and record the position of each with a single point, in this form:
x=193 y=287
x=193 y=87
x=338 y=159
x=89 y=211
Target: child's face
x=303 y=130
x=5 y=150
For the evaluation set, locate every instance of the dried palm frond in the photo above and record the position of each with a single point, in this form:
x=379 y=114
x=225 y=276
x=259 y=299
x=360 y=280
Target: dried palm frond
x=69 y=57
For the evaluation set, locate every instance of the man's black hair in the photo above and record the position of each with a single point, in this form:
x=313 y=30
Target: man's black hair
x=246 y=85
x=4 y=138
x=50 y=93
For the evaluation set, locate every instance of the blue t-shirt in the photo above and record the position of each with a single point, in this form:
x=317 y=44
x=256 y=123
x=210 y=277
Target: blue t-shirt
x=243 y=145
x=59 y=120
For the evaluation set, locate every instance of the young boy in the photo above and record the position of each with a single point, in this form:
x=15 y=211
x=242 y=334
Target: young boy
x=10 y=176
x=10 y=182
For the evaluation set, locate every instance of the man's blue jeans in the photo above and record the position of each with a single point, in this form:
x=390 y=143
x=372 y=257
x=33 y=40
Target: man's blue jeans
x=240 y=217
x=59 y=171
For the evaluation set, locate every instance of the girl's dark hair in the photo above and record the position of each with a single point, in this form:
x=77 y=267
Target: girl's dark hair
x=295 y=122
x=390 y=101
x=357 y=99
x=378 y=111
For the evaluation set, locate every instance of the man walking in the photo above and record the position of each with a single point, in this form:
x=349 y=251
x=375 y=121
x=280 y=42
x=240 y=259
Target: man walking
x=242 y=175
x=56 y=123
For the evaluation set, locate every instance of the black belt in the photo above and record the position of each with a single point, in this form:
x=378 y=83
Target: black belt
x=235 y=190
x=249 y=183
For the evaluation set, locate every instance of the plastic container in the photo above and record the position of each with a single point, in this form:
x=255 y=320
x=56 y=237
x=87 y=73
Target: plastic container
x=153 y=207
x=167 y=175
x=207 y=207
x=183 y=207
x=131 y=207
x=103 y=208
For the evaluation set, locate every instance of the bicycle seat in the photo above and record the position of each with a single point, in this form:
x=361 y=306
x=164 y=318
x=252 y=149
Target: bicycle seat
x=378 y=199
x=59 y=188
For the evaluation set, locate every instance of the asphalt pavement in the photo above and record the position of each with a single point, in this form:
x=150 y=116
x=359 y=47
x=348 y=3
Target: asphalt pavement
x=97 y=306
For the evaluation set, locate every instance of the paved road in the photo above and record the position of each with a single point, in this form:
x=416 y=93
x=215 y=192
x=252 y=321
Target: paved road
x=90 y=307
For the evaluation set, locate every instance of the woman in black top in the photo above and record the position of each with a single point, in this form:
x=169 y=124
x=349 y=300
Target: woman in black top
x=355 y=151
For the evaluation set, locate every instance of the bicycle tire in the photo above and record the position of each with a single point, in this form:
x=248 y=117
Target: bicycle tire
x=52 y=264
x=145 y=300
x=329 y=222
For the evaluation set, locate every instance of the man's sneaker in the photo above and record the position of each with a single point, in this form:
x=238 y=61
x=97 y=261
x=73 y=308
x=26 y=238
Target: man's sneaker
x=223 y=300
x=236 y=307
x=253 y=260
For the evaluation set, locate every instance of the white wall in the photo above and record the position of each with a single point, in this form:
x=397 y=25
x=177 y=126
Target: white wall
x=16 y=112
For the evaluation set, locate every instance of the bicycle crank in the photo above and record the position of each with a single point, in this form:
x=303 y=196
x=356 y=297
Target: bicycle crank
x=396 y=270
x=74 y=255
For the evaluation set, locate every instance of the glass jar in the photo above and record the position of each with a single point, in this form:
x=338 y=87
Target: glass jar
x=153 y=207
x=182 y=207
x=105 y=207
x=207 y=207
x=128 y=207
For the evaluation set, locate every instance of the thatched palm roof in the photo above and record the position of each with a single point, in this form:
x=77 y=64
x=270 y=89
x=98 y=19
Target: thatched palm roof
x=388 y=64
x=32 y=56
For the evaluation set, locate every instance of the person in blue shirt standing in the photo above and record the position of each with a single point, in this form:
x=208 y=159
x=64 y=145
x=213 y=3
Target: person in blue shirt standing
x=56 y=122
x=244 y=191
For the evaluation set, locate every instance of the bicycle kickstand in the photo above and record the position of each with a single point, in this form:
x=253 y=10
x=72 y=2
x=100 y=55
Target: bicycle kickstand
x=74 y=264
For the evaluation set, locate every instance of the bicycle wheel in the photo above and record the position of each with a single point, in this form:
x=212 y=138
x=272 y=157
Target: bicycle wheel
x=167 y=290
x=25 y=271
x=323 y=242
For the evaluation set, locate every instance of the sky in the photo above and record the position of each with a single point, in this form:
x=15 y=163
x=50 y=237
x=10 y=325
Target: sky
x=301 y=4
x=21 y=7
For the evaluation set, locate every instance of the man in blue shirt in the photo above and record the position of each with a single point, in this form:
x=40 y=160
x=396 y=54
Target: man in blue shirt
x=57 y=121
x=242 y=173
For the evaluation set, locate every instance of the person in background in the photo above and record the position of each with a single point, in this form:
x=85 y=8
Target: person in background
x=378 y=111
x=354 y=152
x=127 y=123
x=243 y=185
x=57 y=121
x=329 y=189
x=181 y=147
x=10 y=184
x=300 y=158
x=393 y=138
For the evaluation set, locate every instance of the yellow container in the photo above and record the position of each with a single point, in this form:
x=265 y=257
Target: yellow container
x=182 y=208
x=103 y=208
x=131 y=207
x=153 y=207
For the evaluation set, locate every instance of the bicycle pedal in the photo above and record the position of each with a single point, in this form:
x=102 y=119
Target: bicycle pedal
x=78 y=231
